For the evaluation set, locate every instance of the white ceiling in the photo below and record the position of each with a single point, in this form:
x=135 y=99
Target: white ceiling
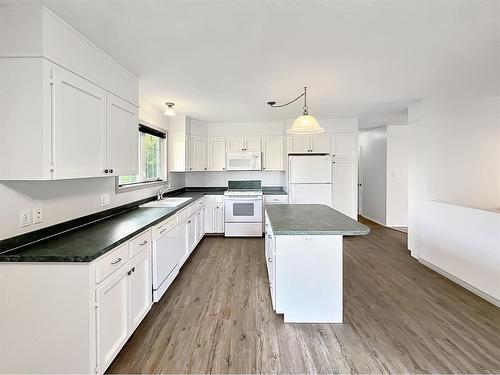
x=222 y=60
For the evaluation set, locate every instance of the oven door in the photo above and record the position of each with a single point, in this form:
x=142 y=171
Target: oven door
x=243 y=209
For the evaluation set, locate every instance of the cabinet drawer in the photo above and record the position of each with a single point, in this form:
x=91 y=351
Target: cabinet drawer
x=193 y=208
x=111 y=262
x=201 y=202
x=140 y=243
x=215 y=199
x=275 y=199
x=183 y=215
x=166 y=225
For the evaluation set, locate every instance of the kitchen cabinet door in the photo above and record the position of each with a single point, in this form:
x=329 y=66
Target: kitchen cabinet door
x=112 y=318
x=273 y=154
x=140 y=289
x=209 y=219
x=199 y=226
x=217 y=154
x=345 y=181
x=122 y=138
x=198 y=153
x=191 y=233
x=345 y=145
x=252 y=144
x=219 y=219
x=235 y=144
x=298 y=145
x=79 y=125
x=320 y=143
x=202 y=225
x=187 y=150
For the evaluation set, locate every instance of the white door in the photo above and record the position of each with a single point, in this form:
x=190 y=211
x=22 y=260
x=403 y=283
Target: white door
x=311 y=194
x=79 y=127
x=191 y=233
x=217 y=154
x=235 y=144
x=273 y=154
x=345 y=187
x=198 y=153
x=219 y=219
x=209 y=219
x=252 y=144
x=320 y=143
x=123 y=137
x=112 y=315
x=297 y=145
x=140 y=289
x=360 y=181
x=310 y=169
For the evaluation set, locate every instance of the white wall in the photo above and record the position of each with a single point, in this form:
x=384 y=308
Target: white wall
x=68 y=199
x=398 y=138
x=455 y=158
x=374 y=153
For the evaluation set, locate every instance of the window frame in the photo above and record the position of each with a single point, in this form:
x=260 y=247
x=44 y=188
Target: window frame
x=145 y=183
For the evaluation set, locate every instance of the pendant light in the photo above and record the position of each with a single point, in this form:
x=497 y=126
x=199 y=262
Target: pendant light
x=304 y=124
x=169 y=111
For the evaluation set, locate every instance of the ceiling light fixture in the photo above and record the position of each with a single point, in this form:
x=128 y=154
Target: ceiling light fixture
x=304 y=124
x=169 y=111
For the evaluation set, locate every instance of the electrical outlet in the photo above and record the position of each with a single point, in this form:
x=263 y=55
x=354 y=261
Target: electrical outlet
x=24 y=218
x=37 y=215
x=104 y=200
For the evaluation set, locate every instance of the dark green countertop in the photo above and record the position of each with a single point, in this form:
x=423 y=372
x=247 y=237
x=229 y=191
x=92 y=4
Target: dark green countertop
x=90 y=241
x=312 y=219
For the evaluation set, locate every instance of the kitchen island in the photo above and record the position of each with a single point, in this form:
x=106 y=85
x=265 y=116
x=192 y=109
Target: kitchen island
x=303 y=249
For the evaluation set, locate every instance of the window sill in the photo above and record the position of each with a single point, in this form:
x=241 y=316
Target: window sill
x=140 y=185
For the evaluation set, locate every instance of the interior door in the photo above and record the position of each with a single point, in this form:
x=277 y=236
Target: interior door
x=78 y=127
x=140 y=289
x=123 y=137
x=217 y=154
x=111 y=318
x=310 y=169
x=273 y=154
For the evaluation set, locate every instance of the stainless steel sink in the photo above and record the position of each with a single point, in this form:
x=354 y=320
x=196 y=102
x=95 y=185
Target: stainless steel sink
x=167 y=202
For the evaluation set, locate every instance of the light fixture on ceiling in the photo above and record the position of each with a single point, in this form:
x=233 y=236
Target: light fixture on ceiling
x=304 y=124
x=169 y=111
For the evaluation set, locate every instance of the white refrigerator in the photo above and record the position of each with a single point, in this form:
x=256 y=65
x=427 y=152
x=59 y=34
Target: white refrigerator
x=310 y=179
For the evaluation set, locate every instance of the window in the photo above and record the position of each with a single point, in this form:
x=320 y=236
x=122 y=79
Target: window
x=152 y=158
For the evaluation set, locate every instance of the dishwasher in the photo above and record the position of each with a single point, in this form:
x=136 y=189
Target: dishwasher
x=169 y=246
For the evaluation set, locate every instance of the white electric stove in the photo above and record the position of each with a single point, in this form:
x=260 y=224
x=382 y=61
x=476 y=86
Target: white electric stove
x=243 y=209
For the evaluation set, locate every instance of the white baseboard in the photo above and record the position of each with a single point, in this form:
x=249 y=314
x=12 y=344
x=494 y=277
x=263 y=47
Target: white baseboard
x=473 y=289
x=375 y=221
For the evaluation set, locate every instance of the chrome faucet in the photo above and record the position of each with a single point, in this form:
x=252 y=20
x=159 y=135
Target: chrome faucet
x=160 y=192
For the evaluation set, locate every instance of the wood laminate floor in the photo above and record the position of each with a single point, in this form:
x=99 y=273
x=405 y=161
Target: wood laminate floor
x=400 y=317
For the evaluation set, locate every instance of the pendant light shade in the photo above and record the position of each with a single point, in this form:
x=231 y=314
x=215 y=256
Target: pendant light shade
x=305 y=124
x=169 y=111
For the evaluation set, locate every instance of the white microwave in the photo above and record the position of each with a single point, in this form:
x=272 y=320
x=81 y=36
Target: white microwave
x=243 y=161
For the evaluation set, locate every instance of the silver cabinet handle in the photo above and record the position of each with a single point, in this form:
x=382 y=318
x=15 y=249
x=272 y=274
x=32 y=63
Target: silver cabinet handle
x=163 y=230
x=270 y=260
x=269 y=236
x=116 y=261
x=143 y=243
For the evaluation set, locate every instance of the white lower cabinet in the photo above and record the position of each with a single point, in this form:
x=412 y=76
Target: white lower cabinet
x=191 y=233
x=214 y=214
x=140 y=289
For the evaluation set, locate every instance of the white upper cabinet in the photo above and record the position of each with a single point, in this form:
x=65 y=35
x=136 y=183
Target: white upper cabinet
x=79 y=126
x=179 y=144
x=81 y=120
x=122 y=138
x=216 y=154
x=273 y=154
x=345 y=145
x=243 y=144
x=309 y=144
x=198 y=158
x=320 y=143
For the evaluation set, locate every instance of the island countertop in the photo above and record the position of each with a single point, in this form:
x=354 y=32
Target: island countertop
x=312 y=219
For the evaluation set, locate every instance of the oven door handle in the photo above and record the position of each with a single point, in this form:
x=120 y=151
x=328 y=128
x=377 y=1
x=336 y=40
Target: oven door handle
x=242 y=198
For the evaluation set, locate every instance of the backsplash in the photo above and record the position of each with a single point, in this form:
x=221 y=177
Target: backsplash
x=222 y=178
